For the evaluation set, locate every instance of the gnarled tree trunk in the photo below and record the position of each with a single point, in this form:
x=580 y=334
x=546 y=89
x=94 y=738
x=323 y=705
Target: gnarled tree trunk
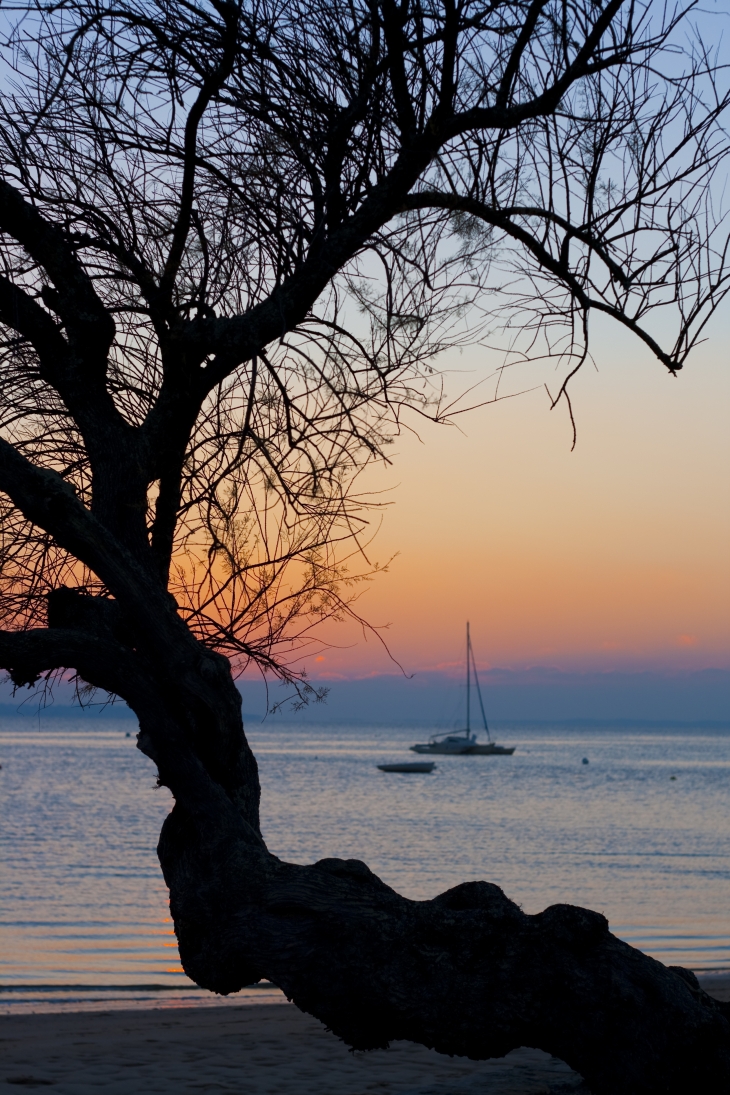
x=467 y=973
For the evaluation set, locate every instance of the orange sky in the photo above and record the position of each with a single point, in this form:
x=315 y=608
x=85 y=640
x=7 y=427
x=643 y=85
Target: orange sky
x=613 y=556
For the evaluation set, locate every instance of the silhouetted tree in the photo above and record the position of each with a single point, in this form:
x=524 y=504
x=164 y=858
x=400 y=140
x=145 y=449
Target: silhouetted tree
x=235 y=236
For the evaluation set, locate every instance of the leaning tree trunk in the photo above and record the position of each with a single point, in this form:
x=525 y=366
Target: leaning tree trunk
x=466 y=973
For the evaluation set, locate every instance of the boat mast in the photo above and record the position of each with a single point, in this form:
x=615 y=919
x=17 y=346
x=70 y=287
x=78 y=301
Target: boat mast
x=468 y=682
x=479 y=694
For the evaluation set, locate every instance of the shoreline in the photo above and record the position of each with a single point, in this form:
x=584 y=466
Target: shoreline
x=83 y=999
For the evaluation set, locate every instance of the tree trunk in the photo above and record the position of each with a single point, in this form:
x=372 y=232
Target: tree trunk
x=467 y=973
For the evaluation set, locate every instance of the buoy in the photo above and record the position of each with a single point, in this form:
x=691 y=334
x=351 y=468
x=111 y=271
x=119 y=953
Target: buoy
x=672 y=777
x=585 y=760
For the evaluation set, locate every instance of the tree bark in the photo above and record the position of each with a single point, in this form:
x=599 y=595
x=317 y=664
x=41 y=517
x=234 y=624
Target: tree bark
x=467 y=973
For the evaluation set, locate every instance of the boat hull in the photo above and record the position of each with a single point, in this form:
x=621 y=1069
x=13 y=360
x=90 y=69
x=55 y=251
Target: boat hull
x=491 y=750
x=414 y=766
x=444 y=749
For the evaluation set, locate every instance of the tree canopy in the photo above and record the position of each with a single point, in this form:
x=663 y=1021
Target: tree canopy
x=236 y=238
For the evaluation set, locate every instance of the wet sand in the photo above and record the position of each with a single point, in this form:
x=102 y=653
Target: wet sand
x=255 y=1049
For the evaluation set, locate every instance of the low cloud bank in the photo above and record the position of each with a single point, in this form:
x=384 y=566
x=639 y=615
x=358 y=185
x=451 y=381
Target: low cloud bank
x=438 y=700
x=531 y=695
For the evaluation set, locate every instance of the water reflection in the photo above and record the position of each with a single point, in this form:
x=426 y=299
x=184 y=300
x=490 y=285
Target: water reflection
x=84 y=904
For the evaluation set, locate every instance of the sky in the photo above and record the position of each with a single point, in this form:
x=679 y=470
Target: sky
x=589 y=577
x=610 y=557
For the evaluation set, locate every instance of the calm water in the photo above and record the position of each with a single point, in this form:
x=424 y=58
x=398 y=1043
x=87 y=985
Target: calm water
x=83 y=903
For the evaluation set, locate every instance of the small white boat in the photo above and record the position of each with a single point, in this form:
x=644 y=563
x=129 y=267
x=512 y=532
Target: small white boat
x=409 y=766
x=464 y=742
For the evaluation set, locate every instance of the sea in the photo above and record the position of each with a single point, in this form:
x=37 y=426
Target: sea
x=631 y=821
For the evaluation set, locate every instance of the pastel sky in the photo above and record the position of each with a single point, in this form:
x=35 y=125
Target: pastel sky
x=611 y=556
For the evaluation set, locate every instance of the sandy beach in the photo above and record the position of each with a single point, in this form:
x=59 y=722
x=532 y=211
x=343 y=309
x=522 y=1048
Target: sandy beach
x=261 y=1049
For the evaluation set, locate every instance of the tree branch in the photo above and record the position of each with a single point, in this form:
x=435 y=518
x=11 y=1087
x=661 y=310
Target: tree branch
x=102 y=662
x=534 y=12
x=393 y=19
x=21 y=313
x=44 y=498
x=79 y=306
x=498 y=219
x=502 y=116
x=211 y=85
x=79 y=374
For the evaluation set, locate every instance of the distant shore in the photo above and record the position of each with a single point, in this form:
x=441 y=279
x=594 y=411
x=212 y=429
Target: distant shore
x=261 y=1048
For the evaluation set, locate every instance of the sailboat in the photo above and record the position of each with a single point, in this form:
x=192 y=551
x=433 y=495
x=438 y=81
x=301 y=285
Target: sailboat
x=464 y=742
